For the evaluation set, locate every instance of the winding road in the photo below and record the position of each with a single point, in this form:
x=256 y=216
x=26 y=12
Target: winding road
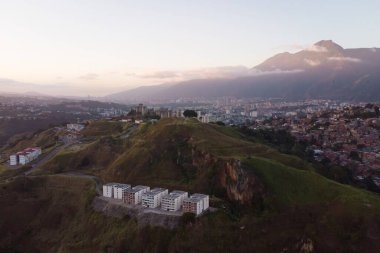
x=43 y=160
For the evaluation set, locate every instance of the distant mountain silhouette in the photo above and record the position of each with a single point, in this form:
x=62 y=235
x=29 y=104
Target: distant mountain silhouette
x=324 y=70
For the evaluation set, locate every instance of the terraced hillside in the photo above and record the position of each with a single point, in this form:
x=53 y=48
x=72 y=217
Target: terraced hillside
x=268 y=201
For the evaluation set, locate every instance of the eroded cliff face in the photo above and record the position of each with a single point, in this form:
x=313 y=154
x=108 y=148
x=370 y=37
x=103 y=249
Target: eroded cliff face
x=239 y=183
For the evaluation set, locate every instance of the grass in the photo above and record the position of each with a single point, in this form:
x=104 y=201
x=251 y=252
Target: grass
x=45 y=139
x=103 y=128
x=185 y=154
x=290 y=187
x=2 y=169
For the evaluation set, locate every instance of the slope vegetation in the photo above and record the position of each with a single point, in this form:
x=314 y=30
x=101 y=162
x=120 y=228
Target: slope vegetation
x=268 y=201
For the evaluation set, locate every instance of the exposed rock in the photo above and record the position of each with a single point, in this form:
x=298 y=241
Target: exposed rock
x=241 y=185
x=306 y=245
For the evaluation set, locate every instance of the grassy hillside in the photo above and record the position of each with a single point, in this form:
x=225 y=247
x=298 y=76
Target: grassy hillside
x=53 y=214
x=44 y=139
x=268 y=201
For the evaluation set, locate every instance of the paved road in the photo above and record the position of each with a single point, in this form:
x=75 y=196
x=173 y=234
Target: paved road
x=43 y=160
x=129 y=132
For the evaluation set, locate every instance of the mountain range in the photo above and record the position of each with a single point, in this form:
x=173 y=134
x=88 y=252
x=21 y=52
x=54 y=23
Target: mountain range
x=325 y=71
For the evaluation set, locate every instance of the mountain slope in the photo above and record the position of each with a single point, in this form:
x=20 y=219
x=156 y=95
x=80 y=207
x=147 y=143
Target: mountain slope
x=325 y=70
x=267 y=201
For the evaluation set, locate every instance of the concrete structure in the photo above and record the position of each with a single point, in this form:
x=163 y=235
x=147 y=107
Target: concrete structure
x=173 y=201
x=205 y=200
x=192 y=205
x=108 y=190
x=141 y=109
x=75 y=127
x=197 y=203
x=13 y=160
x=119 y=189
x=133 y=196
x=25 y=156
x=152 y=199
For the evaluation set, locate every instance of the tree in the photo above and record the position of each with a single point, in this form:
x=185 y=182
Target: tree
x=190 y=114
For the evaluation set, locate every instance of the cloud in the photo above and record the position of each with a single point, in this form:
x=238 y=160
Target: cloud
x=345 y=59
x=203 y=73
x=162 y=75
x=130 y=74
x=313 y=63
x=316 y=48
x=89 y=76
x=276 y=72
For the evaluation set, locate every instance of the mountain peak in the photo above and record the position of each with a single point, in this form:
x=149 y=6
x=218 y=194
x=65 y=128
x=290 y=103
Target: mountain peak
x=330 y=45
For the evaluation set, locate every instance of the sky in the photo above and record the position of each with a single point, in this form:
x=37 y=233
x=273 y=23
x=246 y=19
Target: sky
x=97 y=47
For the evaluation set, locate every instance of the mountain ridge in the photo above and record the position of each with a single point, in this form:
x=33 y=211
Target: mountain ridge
x=324 y=70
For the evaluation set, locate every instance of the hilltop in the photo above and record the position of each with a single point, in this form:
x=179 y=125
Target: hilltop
x=267 y=201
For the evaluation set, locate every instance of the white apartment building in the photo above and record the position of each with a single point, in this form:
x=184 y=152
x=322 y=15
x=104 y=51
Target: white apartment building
x=205 y=200
x=133 y=196
x=173 y=201
x=197 y=203
x=152 y=199
x=192 y=205
x=13 y=160
x=25 y=156
x=119 y=189
x=108 y=190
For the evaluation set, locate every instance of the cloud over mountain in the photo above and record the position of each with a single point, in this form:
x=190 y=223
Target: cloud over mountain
x=325 y=70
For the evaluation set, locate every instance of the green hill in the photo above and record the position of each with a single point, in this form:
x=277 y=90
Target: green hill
x=268 y=201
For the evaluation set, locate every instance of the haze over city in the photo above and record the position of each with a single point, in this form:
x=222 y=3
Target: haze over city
x=79 y=48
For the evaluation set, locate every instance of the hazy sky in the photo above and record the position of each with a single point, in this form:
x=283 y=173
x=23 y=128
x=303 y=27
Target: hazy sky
x=95 y=47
